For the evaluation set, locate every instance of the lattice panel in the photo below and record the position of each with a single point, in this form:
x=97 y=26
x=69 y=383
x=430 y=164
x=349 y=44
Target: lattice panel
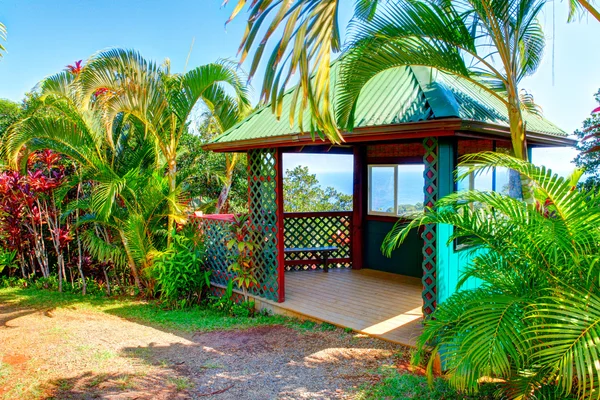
x=395 y=150
x=218 y=257
x=263 y=194
x=318 y=230
x=431 y=161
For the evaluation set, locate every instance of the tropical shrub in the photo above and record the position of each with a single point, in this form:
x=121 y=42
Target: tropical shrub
x=109 y=200
x=533 y=323
x=8 y=260
x=242 y=266
x=179 y=273
x=226 y=304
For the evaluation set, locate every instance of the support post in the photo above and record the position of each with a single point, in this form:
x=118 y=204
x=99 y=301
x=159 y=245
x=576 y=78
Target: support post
x=358 y=196
x=430 y=192
x=280 y=229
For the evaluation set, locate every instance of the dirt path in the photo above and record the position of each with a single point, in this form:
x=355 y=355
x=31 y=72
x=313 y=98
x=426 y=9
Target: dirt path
x=69 y=353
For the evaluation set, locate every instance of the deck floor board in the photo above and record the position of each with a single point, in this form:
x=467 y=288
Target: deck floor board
x=373 y=302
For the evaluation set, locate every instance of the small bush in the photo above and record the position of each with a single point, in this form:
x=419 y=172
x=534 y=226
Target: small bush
x=181 y=280
x=225 y=304
x=395 y=385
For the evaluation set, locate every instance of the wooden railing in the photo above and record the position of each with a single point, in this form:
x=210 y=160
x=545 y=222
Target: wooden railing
x=318 y=229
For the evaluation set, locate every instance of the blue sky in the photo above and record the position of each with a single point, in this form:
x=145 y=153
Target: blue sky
x=44 y=36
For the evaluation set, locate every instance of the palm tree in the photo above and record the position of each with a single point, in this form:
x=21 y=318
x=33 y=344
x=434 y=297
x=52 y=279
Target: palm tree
x=121 y=82
x=577 y=5
x=120 y=176
x=461 y=38
x=310 y=32
x=219 y=119
x=534 y=321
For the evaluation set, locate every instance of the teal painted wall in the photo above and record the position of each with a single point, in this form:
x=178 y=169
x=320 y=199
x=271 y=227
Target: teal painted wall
x=406 y=260
x=450 y=263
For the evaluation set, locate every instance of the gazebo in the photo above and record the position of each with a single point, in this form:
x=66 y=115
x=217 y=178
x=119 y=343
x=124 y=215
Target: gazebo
x=412 y=125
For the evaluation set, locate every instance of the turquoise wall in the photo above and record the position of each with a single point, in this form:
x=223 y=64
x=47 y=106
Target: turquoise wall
x=450 y=263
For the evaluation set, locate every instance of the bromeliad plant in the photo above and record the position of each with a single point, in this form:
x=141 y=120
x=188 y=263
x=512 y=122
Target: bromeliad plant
x=533 y=323
x=242 y=247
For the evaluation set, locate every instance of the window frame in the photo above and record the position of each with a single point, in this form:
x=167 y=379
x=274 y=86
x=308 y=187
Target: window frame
x=396 y=166
x=370 y=192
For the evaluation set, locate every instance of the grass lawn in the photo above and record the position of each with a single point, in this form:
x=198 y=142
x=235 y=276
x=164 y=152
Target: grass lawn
x=67 y=346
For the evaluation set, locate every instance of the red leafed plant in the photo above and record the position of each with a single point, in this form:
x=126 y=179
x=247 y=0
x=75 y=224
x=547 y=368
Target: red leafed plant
x=75 y=69
x=29 y=214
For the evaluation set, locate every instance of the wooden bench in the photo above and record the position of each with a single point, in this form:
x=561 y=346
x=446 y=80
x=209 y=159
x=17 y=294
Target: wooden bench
x=324 y=252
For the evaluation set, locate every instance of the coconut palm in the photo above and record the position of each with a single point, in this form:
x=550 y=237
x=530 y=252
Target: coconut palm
x=534 y=321
x=122 y=82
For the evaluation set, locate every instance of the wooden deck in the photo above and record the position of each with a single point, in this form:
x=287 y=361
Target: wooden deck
x=372 y=302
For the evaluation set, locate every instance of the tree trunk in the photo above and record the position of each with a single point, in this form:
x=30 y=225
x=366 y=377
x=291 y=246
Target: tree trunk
x=107 y=280
x=229 y=168
x=172 y=177
x=79 y=252
x=131 y=261
x=519 y=144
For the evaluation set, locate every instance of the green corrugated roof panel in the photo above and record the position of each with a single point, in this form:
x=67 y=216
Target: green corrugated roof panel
x=396 y=96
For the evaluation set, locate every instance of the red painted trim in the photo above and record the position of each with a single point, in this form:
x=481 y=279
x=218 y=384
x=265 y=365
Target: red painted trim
x=309 y=214
x=358 y=189
x=220 y=217
x=280 y=227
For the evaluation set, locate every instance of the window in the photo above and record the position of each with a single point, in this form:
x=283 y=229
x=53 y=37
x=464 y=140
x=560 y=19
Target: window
x=495 y=179
x=396 y=190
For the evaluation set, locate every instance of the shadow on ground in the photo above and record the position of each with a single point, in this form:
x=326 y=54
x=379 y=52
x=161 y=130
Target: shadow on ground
x=120 y=353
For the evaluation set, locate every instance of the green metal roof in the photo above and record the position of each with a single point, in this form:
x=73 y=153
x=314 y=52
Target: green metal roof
x=396 y=96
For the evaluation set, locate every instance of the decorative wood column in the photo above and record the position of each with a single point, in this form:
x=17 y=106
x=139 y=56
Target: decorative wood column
x=358 y=204
x=280 y=229
x=430 y=191
x=265 y=211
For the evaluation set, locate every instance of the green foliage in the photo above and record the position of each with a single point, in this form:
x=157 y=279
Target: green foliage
x=9 y=113
x=242 y=265
x=302 y=192
x=534 y=321
x=461 y=38
x=203 y=174
x=588 y=157
x=119 y=120
x=8 y=260
x=181 y=280
x=395 y=385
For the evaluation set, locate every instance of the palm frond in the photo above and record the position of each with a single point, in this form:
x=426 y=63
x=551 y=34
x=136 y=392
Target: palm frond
x=310 y=34
x=567 y=340
x=2 y=38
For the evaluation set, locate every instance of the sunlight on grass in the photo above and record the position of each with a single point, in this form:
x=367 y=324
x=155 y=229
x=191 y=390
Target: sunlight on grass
x=189 y=320
x=395 y=385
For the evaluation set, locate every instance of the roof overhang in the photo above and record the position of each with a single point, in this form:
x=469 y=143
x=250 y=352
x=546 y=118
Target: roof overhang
x=404 y=131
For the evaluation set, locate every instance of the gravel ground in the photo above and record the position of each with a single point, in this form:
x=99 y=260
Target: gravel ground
x=82 y=354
